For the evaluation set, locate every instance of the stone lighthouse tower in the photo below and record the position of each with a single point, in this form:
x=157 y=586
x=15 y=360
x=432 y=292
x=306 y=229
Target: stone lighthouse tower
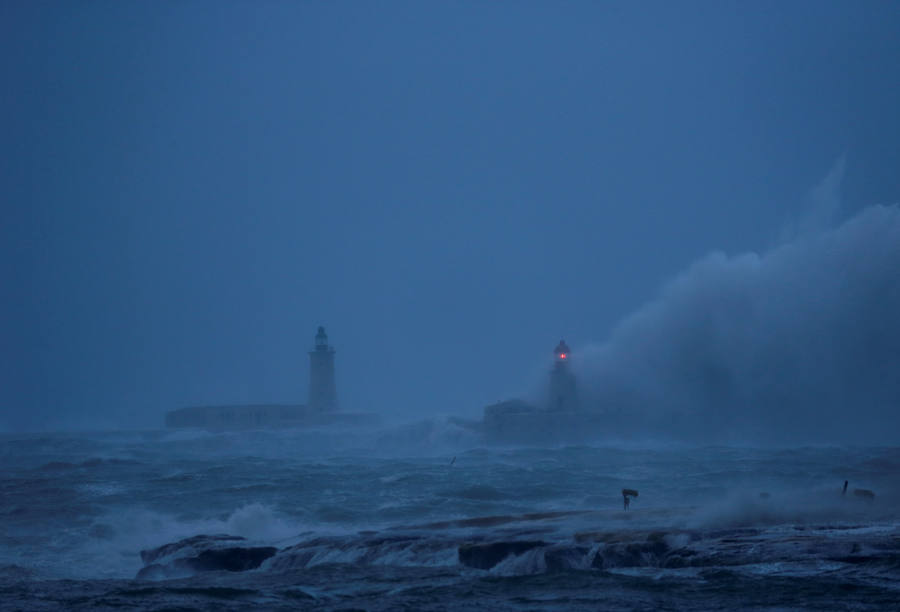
x=562 y=381
x=322 y=389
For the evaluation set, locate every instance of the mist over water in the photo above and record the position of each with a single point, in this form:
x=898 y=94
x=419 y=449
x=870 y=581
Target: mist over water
x=796 y=344
x=448 y=189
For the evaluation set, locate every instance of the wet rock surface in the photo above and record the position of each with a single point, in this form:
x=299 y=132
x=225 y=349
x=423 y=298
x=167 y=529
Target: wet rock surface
x=566 y=558
x=202 y=553
x=185 y=546
x=486 y=556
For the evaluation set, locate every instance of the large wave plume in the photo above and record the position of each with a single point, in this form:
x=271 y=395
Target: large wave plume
x=798 y=344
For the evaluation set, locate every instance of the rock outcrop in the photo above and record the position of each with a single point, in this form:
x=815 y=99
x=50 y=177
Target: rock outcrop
x=486 y=556
x=202 y=553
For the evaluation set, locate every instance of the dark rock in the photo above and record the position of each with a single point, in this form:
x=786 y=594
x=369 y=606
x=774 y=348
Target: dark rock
x=233 y=559
x=486 y=556
x=203 y=553
x=888 y=559
x=197 y=542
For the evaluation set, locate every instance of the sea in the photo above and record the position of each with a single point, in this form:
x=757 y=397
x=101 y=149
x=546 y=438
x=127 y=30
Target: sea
x=426 y=516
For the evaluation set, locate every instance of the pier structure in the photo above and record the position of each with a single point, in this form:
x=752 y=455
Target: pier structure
x=321 y=408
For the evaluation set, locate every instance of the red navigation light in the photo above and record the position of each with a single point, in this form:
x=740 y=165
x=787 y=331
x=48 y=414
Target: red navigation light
x=562 y=355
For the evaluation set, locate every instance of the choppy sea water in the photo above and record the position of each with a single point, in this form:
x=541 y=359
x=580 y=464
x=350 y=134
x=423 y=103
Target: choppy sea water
x=427 y=518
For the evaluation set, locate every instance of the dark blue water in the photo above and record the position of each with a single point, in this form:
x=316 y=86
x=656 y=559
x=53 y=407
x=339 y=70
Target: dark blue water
x=388 y=520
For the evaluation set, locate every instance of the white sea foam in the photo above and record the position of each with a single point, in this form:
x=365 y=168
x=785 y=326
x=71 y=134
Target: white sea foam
x=116 y=539
x=529 y=562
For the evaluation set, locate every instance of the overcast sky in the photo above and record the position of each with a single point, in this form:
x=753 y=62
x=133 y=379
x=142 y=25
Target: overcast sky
x=189 y=189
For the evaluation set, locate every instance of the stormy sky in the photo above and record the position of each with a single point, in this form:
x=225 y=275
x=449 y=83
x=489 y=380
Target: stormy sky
x=189 y=189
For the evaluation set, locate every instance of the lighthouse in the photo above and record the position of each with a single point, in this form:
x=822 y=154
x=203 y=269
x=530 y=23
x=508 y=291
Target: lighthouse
x=562 y=381
x=322 y=388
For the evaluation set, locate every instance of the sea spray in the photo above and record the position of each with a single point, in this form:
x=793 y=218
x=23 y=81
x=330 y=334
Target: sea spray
x=797 y=344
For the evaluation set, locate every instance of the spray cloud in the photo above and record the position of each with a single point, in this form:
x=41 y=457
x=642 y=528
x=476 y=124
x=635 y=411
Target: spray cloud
x=797 y=344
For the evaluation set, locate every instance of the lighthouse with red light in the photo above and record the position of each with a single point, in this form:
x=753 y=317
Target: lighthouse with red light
x=562 y=381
